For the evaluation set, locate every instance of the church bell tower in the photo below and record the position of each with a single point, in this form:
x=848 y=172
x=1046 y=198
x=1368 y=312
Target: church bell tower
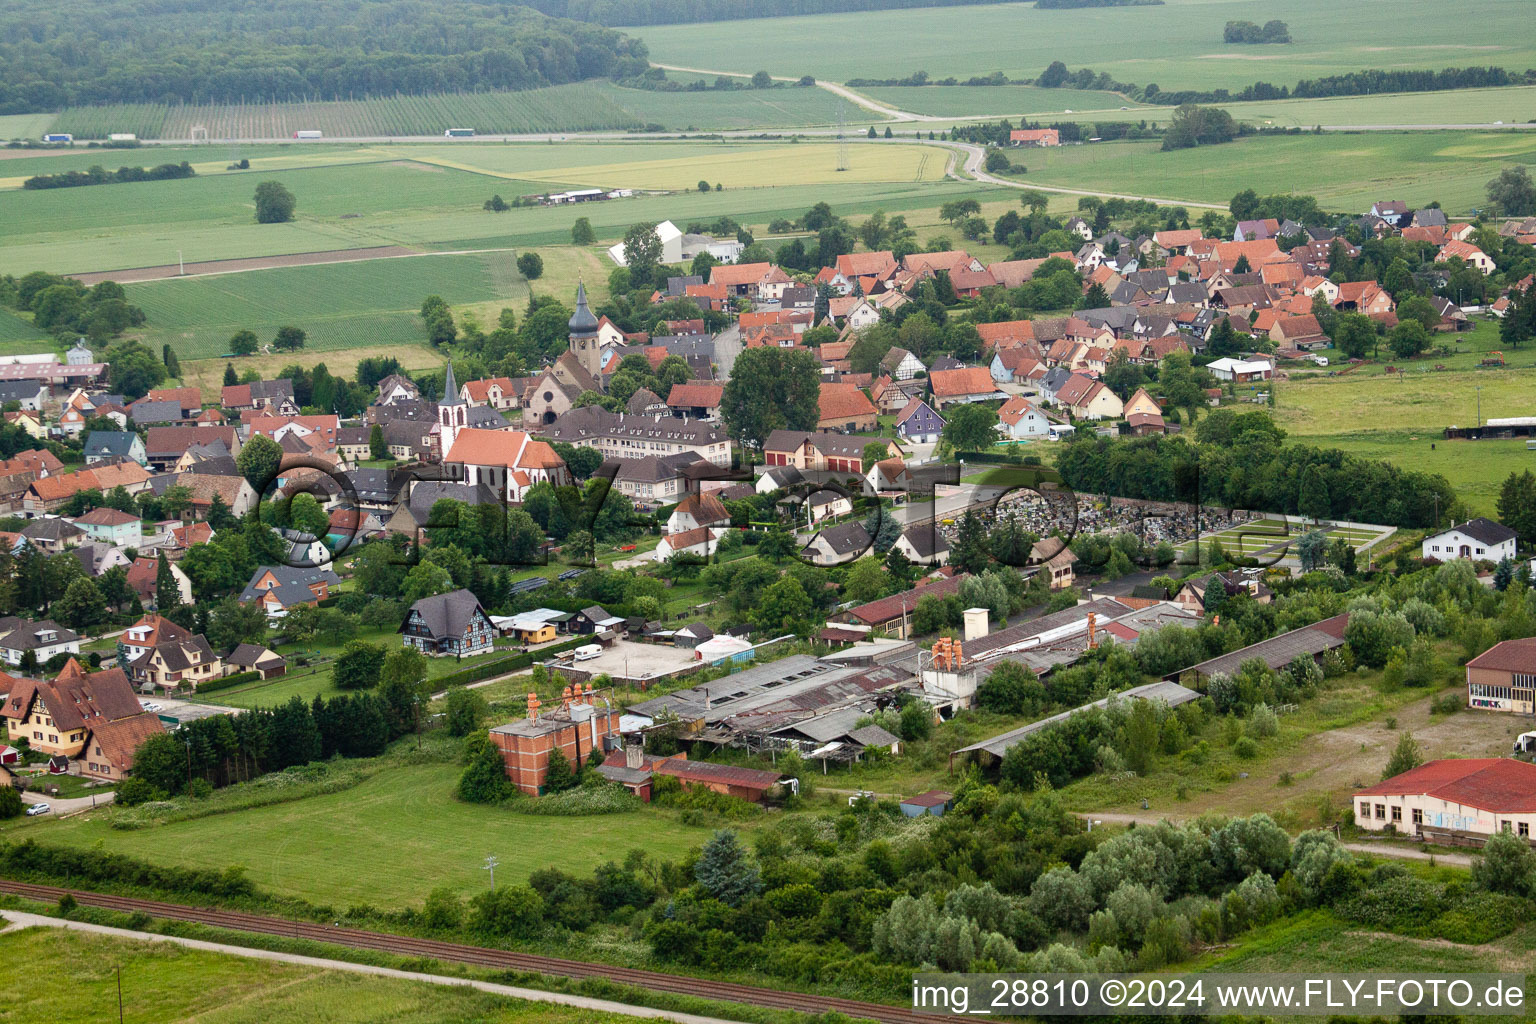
x=452 y=413
x=583 y=336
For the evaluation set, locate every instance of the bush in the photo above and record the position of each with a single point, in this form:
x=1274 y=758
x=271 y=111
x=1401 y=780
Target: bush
x=10 y=802
x=1246 y=748
x=134 y=791
x=608 y=798
x=225 y=682
x=513 y=911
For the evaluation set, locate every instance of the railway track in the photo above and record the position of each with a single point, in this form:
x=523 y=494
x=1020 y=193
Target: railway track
x=479 y=956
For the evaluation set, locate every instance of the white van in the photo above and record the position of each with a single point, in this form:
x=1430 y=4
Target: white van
x=1319 y=360
x=588 y=652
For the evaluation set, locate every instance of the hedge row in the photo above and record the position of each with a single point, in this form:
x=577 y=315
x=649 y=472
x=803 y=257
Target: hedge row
x=502 y=666
x=225 y=682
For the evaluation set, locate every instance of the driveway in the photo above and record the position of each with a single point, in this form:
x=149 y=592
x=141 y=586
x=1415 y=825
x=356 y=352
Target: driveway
x=64 y=808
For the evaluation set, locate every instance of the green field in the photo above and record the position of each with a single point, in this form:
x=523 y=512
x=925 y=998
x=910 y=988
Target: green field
x=387 y=841
x=429 y=195
x=163 y=982
x=15 y=329
x=580 y=107
x=1344 y=171
x=1177 y=45
x=1514 y=105
x=999 y=100
x=340 y=305
x=24 y=126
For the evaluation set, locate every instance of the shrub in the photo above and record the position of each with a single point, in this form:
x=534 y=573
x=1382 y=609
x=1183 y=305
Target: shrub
x=511 y=911
x=443 y=910
x=10 y=802
x=608 y=798
x=134 y=791
x=1246 y=748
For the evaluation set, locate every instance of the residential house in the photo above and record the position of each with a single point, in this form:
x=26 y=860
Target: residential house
x=1055 y=559
x=1363 y=297
x=846 y=408
x=281 y=588
x=181 y=663
x=887 y=475
x=700 y=542
x=1480 y=539
x=1020 y=419
x=923 y=545
x=1191 y=594
x=1468 y=254
x=1142 y=403
x=273 y=395
x=44 y=639
x=165 y=445
x=397 y=388
x=1086 y=398
x=836 y=545
x=695 y=400
x=698 y=510
x=1033 y=137
x=143 y=580
x=900 y=364
x=52 y=536
x=47 y=494
x=966 y=385
x=96 y=558
x=235 y=491
x=917 y=423
x=656 y=480
x=501 y=393
x=93 y=719
x=114 y=446
x=448 y=624
x=823 y=452
x=30 y=395
x=110 y=526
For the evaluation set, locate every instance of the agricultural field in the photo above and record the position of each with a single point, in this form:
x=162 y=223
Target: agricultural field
x=403 y=823
x=1003 y=101
x=24 y=126
x=162 y=982
x=16 y=329
x=579 y=107
x=1514 y=105
x=340 y=305
x=1177 y=45
x=17 y=166
x=1344 y=171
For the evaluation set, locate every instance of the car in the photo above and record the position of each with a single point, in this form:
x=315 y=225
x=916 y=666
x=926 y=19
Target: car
x=35 y=809
x=150 y=706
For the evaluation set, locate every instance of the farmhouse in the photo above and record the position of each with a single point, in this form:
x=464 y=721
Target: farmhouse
x=1480 y=539
x=451 y=624
x=1034 y=137
x=92 y=718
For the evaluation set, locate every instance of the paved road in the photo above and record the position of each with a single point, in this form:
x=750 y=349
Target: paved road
x=727 y=348
x=17 y=919
x=1375 y=849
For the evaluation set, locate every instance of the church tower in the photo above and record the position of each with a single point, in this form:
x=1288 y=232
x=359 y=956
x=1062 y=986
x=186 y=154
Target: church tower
x=583 y=335
x=452 y=414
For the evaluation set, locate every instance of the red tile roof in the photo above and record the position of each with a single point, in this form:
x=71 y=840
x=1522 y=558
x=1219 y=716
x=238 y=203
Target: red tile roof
x=1509 y=656
x=844 y=401
x=735 y=274
x=968 y=380
x=888 y=608
x=1498 y=784
x=695 y=396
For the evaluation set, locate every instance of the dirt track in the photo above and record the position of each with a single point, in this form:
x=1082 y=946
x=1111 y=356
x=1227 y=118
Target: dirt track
x=298 y=259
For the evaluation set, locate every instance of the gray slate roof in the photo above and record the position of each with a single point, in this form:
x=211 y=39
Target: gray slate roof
x=448 y=615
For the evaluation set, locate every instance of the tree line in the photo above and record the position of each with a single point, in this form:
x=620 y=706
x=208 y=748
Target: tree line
x=98 y=175
x=1249 y=32
x=68 y=309
x=219 y=51
x=672 y=12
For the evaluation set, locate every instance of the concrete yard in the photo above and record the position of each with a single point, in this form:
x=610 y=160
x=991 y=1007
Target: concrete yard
x=631 y=663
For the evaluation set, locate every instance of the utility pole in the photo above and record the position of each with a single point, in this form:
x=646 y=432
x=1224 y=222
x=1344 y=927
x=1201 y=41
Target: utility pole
x=181 y=266
x=119 y=995
x=490 y=865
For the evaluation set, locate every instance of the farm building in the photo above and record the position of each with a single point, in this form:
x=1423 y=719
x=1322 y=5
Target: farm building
x=1455 y=800
x=1502 y=677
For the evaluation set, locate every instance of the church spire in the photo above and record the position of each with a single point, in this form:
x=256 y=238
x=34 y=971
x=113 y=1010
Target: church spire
x=450 y=388
x=582 y=321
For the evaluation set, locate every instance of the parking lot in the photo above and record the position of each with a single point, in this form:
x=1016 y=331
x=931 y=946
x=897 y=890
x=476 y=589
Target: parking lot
x=631 y=663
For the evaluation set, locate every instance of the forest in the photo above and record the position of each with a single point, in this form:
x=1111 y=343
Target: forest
x=82 y=52
x=673 y=12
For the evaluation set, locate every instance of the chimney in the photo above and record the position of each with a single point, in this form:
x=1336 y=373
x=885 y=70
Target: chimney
x=533 y=707
x=975 y=623
x=634 y=751
x=1093 y=621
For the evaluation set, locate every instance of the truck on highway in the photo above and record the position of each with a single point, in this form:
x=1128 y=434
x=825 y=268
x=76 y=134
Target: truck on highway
x=459 y=133
x=58 y=137
x=308 y=133
x=122 y=137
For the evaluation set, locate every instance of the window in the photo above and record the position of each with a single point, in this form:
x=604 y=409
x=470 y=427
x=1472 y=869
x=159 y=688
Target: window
x=1523 y=830
x=1418 y=816
x=1397 y=815
x=1507 y=827
x=1381 y=811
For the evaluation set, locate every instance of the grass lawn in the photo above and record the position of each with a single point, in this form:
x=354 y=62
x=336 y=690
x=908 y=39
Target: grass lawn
x=1318 y=942
x=387 y=841
x=70 y=786
x=1177 y=45
x=1344 y=171
x=315 y=679
x=1401 y=417
x=163 y=982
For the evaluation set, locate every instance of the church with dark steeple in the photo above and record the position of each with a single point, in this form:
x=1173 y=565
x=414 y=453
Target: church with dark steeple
x=579 y=368
x=452 y=413
x=583 y=335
